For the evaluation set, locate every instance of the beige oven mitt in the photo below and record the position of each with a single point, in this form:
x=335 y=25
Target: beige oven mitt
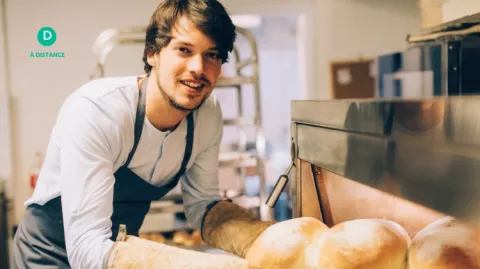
x=232 y=228
x=131 y=252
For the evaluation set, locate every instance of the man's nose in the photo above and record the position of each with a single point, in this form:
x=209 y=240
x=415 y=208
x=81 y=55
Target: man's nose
x=196 y=65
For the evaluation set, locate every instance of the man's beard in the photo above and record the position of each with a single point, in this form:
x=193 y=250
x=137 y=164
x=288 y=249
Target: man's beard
x=172 y=101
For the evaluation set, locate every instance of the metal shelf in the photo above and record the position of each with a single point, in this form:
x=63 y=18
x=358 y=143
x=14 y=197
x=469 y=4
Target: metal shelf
x=249 y=202
x=237 y=159
x=452 y=30
x=458 y=24
x=159 y=208
x=239 y=122
x=227 y=82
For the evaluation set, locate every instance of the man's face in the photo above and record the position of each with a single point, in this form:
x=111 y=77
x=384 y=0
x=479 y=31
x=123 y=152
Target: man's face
x=187 y=68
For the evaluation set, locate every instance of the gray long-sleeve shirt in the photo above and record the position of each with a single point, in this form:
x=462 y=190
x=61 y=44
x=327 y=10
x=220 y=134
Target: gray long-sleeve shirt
x=92 y=138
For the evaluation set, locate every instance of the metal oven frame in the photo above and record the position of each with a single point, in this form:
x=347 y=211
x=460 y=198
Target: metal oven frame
x=410 y=161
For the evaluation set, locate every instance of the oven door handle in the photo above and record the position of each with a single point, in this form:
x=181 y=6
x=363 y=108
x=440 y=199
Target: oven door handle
x=279 y=186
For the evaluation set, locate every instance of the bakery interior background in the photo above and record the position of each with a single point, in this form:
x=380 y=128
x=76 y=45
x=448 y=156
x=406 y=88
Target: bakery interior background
x=299 y=44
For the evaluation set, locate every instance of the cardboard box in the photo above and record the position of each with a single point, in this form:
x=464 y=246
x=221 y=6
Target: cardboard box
x=430 y=12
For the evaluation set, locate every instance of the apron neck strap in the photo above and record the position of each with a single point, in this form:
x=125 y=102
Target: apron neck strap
x=139 y=118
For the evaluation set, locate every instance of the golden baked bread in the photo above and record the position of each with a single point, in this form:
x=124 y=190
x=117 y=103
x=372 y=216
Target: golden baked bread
x=180 y=237
x=445 y=244
x=283 y=245
x=157 y=237
x=362 y=244
x=196 y=237
x=144 y=236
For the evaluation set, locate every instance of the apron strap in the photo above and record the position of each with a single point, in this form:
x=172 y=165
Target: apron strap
x=188 y=149
x=139 y=120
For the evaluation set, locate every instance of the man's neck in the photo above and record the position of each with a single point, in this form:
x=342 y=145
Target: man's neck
x=159 y=112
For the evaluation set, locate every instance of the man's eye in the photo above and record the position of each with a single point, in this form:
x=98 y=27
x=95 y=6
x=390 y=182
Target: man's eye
x=213 y=55
x=184 y=50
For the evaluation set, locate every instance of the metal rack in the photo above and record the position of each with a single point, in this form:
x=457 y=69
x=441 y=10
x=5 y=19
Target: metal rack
x=240 y=159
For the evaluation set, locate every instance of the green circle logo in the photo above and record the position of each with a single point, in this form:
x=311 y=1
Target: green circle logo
x=46 y=36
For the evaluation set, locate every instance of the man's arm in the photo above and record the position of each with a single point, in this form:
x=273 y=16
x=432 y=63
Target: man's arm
x=223 y=224
x=200 y=184
x=86 y=164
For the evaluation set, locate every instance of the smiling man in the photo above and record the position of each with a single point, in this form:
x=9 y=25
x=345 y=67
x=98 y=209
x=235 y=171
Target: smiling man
x=121 y=142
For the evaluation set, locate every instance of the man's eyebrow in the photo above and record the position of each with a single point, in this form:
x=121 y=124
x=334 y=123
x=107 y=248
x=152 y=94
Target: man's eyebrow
x=187 y=44
x=184 y=43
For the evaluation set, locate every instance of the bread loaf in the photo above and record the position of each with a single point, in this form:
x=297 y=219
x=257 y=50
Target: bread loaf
x=445 y=244
x=196 y=237
x=157 y=237
x=180 y=237
x=283 y=245
x=363 y=244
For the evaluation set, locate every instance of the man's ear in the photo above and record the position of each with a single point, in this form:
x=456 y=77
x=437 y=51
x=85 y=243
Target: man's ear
x=152 y=59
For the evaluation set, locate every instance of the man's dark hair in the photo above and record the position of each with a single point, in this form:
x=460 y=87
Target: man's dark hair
x=209 y=16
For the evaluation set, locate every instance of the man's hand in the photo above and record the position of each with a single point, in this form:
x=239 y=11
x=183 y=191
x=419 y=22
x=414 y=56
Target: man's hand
x=232 y=228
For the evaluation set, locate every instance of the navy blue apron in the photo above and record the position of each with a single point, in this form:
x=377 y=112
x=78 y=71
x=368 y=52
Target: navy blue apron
x=39 y=241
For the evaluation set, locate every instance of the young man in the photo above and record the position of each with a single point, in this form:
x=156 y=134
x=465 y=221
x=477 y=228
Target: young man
x=120 y=143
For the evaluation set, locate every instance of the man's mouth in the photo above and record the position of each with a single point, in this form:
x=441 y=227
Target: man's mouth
x=193 y=85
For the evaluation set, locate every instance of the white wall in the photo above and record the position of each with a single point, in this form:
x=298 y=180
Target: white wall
x=372 y=27
x=335 y=29
x=456 y=9
x=348 y=29
x=5 y=133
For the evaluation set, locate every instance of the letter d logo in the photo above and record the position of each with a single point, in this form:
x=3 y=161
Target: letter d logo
x=46 y=36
